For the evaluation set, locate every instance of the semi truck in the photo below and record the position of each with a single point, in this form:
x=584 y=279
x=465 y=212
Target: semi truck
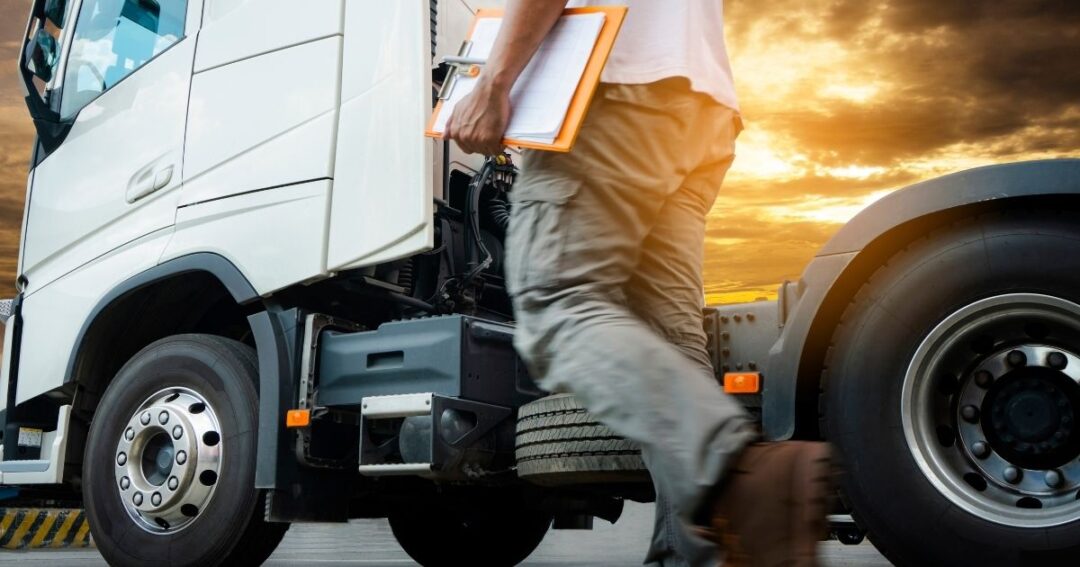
x=252 y=293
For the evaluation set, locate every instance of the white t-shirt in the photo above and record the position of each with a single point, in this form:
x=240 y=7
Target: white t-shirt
x=671 y=38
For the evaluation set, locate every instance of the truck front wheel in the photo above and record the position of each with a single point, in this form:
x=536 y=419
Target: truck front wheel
x=952 y=393
x=169 y=470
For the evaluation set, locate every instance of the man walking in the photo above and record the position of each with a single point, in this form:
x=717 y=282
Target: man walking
x=604 y=261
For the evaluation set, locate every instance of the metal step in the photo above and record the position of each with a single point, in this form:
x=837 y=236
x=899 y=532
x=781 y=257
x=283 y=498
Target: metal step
x=402 y=469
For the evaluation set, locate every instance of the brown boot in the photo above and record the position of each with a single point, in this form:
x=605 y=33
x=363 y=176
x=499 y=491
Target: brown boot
x=771 y=510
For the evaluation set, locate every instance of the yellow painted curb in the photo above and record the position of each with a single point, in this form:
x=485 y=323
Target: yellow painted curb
x=39 y=528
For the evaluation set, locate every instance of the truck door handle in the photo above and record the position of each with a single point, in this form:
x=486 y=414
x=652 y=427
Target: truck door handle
x=148 y=180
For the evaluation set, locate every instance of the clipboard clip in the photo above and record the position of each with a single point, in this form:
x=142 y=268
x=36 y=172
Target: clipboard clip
x=459 y=66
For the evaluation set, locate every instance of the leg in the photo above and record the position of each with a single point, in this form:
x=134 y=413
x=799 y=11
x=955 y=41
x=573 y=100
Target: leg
x=673 y=545
x=579 y=223
x=666 y=292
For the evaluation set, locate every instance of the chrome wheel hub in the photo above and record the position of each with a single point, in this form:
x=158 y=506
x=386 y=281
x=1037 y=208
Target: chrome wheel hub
x=168 y=459
x=990 y=406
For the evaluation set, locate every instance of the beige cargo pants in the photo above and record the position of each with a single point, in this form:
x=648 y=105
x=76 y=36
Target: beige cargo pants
x=604 y=261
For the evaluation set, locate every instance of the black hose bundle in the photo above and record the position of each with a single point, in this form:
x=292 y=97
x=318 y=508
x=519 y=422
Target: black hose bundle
x=498 y=173
x=498 y=211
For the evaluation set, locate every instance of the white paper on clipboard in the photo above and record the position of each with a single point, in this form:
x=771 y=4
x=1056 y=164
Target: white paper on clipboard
x=542 y=95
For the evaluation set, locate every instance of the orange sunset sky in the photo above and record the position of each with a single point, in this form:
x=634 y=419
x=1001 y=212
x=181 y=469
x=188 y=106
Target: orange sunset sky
x=844 y=100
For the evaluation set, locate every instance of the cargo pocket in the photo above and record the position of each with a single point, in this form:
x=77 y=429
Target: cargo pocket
x=536 y=242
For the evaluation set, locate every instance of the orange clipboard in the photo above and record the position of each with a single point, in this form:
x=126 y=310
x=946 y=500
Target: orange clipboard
x=590 y=78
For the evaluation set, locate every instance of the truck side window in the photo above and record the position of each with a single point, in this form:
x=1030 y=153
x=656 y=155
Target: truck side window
x=113 y=38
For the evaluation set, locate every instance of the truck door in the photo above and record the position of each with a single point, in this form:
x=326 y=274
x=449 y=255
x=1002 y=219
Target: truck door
x=125 y=83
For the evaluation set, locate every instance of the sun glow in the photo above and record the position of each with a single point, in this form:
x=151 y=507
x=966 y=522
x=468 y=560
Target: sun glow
x=760 y=156
x=836 y=210
x=860 y=94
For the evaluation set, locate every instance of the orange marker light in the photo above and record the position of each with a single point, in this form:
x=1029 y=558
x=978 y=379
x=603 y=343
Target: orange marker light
x=742 y=382
x=298 y=418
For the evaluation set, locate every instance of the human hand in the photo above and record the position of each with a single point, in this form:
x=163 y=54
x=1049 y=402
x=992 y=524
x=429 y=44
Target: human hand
x=479 y=120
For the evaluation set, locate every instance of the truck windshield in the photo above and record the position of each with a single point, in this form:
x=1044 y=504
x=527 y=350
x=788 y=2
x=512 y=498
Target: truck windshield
x=112 y=39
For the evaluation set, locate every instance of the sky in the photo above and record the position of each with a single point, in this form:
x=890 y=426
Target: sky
x=844 y=101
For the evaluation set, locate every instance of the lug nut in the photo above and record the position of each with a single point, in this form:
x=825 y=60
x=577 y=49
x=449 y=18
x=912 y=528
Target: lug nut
x=177 y=432
x=181 y=457
x=1012 y=475
x=1016 y=358
x=970 y=413
x=173 y=483
x=1053 y=479
x=981 y=449
x=137 y=499
x=145 y=418
x=156 y=499
x=121 y=459
x=983 y=379
x=125 y=483
x=163 y=417
x=1057 y=361
x=129 y=434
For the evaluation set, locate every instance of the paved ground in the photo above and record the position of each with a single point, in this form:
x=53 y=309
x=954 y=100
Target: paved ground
x=369 y=543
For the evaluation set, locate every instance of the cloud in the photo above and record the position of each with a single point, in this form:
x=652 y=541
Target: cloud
x=936 y=73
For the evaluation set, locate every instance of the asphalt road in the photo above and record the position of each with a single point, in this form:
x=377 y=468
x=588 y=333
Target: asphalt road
x=369 y=543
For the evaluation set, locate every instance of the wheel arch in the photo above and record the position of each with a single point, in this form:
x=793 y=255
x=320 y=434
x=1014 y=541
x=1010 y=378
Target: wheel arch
x=844 y=264
x=196 y=293
x=196 y=284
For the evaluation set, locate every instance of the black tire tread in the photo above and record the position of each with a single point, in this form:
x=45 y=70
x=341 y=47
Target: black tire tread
x=560 y=443
x=260 y=537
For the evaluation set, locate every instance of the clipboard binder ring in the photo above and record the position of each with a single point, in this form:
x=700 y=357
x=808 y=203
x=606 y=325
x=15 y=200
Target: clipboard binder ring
x=460 y=66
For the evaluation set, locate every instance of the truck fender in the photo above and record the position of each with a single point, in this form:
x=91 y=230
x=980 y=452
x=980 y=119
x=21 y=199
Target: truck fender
x=814 y=306
x=222 y=269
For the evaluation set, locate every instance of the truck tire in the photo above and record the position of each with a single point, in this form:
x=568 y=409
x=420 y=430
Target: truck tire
x=559 y=443
x=952 y=396
x=169 y=467
x=496 y=532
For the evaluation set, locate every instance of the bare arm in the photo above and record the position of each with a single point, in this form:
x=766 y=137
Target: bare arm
x=479 y=121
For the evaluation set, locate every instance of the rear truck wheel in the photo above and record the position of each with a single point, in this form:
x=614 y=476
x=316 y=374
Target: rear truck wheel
x=560 y=444
x=497 y=532
x=952 y=394
x=169 y=473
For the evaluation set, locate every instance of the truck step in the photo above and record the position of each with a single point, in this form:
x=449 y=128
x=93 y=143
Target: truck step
x=400 y=469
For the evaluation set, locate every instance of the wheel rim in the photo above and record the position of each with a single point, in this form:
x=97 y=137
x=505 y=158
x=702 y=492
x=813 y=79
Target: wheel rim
x=990 y=405
x=168 y=460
